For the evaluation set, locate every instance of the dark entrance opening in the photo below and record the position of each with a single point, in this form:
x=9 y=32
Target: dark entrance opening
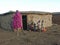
x=24 y=17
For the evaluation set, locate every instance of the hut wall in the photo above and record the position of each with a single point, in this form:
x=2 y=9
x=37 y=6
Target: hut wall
x=56 y=19
x=6 y=22
x=47 y=19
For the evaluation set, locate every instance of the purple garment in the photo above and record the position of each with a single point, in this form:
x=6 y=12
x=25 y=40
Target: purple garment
x=17 y=20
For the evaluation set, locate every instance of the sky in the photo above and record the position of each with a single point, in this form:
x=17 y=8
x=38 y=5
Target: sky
x=30 y=5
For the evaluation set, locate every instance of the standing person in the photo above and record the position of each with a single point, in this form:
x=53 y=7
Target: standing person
x=17 y=21
x=42 y=25
x=31 y=26
x=28 y=26
x=38 y=23
x=34 y=27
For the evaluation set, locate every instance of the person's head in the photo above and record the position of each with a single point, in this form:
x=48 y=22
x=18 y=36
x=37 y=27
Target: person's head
x=42 y=21
x=39 y=21
x=16 y=12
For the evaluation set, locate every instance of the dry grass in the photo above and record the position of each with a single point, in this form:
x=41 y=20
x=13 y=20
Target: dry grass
x=51 y=37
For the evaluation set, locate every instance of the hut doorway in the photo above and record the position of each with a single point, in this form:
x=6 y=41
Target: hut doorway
x=24 y=17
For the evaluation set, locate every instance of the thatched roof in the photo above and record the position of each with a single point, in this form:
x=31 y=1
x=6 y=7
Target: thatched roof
x=28 y=12
x=35 y=12
x=56 y=13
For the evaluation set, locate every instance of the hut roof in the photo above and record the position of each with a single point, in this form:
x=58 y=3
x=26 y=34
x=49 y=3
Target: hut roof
x=28 y=12
x=35 y=12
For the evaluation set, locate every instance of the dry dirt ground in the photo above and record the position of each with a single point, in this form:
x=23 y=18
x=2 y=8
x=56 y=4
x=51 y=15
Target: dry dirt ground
x=50 y=37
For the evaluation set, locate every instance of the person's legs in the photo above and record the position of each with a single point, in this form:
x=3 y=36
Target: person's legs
x=15 y=30
x=34 y=28
x=18 y=30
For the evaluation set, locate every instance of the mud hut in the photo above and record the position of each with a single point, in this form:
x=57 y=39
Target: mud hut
x=56 y=18
x=44 y=18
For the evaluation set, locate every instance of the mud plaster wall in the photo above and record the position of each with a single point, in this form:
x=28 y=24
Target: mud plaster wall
x=47 y=19
x=6 y=22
